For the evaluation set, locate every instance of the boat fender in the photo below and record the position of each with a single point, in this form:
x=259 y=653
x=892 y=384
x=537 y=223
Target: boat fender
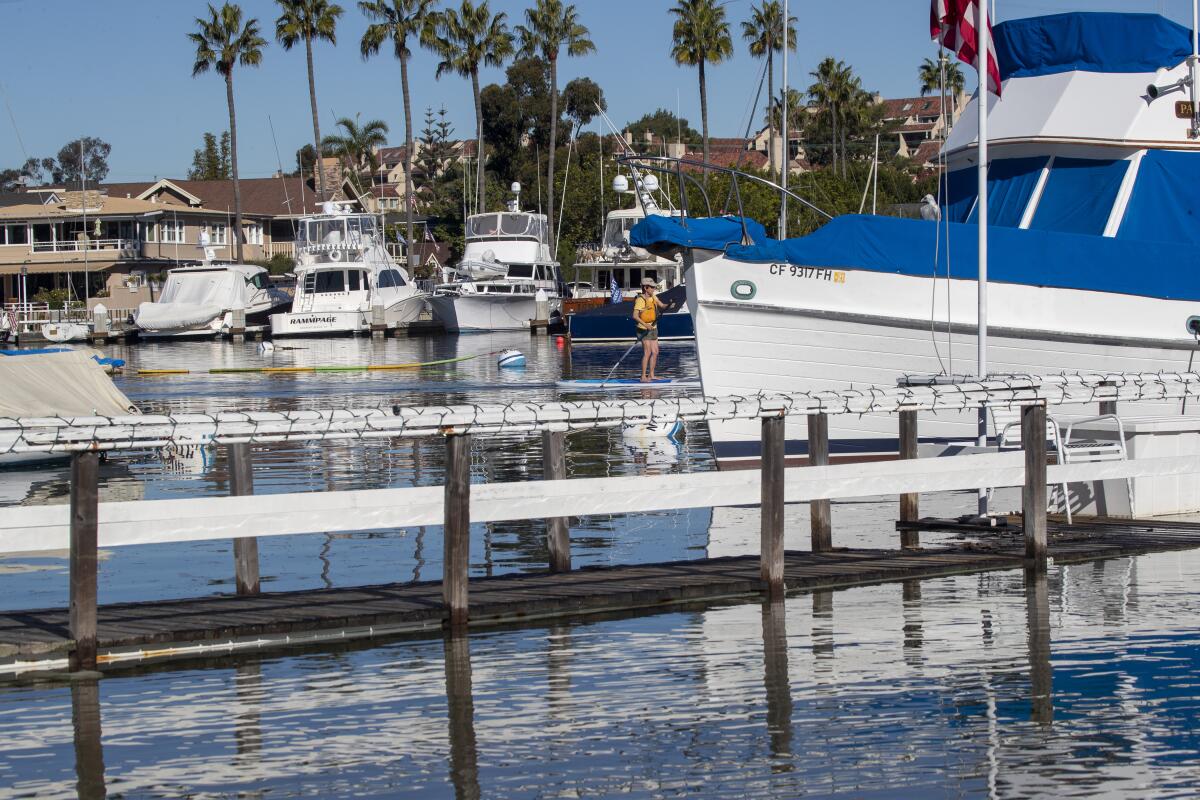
x=510 y=358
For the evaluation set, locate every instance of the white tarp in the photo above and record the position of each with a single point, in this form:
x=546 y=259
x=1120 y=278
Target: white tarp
x=194 y=297
x=67 y=384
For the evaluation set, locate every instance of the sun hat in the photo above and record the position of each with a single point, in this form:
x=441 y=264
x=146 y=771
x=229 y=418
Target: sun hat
x=649 y=282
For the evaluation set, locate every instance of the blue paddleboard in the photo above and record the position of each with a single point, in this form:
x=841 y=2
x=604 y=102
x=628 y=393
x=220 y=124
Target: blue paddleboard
x=625 y=383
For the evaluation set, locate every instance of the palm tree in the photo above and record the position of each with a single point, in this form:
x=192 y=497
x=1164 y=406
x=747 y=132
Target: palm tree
x=763 y=33
x=304 y=21
x=550 y=26
x=930 y=76
x=396 y=21
x=829 y=93
x=222 y=42
x=465 y=40
x=356 y=147
x=701 y=36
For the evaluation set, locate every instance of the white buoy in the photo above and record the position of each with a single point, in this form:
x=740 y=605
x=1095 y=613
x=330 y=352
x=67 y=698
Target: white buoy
x=266 y=347
x=510 y=358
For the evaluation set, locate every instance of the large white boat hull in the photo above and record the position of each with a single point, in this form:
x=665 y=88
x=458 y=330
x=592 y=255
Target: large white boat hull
x=341 y=323
x=767 y=328
x=485 y=312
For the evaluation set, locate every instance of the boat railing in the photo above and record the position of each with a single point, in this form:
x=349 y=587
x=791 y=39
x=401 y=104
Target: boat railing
x=683 y=170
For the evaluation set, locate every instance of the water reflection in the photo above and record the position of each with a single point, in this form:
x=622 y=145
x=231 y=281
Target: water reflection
x=1063 y=694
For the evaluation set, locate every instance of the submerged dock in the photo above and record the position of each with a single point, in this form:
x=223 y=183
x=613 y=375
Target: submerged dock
x=230 y=623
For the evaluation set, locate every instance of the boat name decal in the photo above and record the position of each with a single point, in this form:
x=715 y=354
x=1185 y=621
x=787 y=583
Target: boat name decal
x=813 y=273
x=313 y=320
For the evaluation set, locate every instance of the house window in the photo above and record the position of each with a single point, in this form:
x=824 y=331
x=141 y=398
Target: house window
x=254 y=234
x=16 y=234
x=151 y=231
x=218 y=233
x=172 y=232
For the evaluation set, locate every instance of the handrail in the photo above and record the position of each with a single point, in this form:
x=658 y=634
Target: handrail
x=60 y=434
x=652 y=162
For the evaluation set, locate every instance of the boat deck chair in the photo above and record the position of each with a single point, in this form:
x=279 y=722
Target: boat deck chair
x=1006 y=422
x=1077 y=450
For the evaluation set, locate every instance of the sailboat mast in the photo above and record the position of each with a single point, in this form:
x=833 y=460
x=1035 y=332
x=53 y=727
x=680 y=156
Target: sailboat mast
x=783 y=169
x=982 y=218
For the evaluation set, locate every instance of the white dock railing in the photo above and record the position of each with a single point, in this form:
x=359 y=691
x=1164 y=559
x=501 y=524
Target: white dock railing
x=87 y=524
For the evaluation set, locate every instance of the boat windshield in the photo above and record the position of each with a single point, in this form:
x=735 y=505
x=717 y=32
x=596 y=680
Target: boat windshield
x=616 y=231
x=506 y=226
x=342 y=230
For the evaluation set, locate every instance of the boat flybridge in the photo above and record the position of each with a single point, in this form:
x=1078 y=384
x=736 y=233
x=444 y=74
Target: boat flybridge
x=616 y=260
x=200 y=299
x=1093 y=220
x=505 y=269
x=345 y=278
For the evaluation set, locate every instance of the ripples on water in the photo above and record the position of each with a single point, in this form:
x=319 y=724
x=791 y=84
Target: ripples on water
x=1080 y=685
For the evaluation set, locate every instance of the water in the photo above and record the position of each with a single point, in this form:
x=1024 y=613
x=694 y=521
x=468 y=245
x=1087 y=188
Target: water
x=1082 y=684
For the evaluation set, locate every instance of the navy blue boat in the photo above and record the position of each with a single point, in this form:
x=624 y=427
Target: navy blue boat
x=613 y=322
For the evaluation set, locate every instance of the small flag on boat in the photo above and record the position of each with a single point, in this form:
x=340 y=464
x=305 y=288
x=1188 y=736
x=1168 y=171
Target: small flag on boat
x=428 y=234
x=952 y=22
x=615 y=289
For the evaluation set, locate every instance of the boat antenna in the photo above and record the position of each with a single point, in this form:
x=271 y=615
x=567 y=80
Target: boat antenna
x=287 y=201
x=787 y=151
x=645 y=197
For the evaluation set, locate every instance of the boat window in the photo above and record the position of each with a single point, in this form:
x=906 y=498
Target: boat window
x=259 y=281
x=331 y=281
x=1011 y=182
x=325 y=231
x=1161 y=207
x=484 y=225
x=520 y=271
x=390 y=277
x=356 y=281
x=616 y=231
x=602 y=274
x=635 y=278
x=507 y=226
x=653 y=273
x=1079 y=195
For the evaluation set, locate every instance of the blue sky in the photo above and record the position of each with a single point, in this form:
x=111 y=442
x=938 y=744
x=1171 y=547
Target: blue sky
x=121 y=70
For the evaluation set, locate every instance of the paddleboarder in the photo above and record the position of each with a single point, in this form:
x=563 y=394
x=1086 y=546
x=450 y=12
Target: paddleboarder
x=645 y=315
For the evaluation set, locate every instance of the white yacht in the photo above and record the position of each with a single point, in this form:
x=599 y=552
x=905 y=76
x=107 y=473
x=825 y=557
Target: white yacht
x=505 y=264
x=199 y=300
x=343 y=272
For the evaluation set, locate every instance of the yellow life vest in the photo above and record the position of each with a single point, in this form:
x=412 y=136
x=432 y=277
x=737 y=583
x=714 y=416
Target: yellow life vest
x=646 y=310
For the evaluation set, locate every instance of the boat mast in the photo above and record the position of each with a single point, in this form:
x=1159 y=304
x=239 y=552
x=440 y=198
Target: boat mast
x=783 y=169
x=981 y=55
x=1195 y=132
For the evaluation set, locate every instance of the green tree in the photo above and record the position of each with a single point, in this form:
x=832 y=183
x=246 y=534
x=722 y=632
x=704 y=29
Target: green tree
x=356 y=147
x=549 y=27
x=583 y=99
x=395 y=21
x=306 y=161
x=701 y=36
x=433 y=159
x=830 y=92
x=306 y=21
x=467 y=39
x=85 y=158
x=663 y=124
x=763 y=33
x=930 y=77
x=223 y=42
x=211 y=161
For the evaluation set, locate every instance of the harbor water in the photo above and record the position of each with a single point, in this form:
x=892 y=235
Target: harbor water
x=993 y=685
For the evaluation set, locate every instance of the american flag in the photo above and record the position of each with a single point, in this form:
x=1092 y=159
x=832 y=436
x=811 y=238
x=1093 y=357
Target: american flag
x=952 y=22
x=615 y=289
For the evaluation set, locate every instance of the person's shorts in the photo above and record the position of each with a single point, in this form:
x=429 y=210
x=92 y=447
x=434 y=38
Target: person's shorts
x=647 y=333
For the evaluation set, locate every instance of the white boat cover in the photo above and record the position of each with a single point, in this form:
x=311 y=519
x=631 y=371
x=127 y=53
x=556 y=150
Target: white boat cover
x=67 y=384
x=195 y=296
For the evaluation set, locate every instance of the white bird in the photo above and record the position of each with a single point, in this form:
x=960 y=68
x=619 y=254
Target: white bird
x=929 y=209
x=266 y=347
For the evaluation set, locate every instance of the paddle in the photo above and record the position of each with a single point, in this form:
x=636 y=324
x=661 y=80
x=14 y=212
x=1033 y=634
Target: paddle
x=619 y=360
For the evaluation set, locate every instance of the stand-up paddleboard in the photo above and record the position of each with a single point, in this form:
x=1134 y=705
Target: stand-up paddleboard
x=597 y=384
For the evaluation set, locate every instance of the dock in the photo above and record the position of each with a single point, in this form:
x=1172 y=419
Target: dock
x=229 y=623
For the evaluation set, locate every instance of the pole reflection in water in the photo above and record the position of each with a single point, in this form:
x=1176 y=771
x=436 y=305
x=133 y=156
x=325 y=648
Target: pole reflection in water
x=464 y=756
x=247 y=727
x=914 y=631
x=1041 y=673
x=559 y=646
x=822 y=625
x=778 y=687
x=89 y=752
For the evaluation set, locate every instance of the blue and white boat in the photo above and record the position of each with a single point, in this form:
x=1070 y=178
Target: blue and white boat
x=1094 y=218
x=613 y=322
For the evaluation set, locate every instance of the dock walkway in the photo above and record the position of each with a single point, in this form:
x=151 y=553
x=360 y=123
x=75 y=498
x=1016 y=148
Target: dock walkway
x=136 y=631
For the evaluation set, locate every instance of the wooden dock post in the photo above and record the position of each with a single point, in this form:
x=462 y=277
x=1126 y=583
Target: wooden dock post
x=85 y=468
x=818 y=456
x=771 y=512
x=554 y=468
x=456 y=531
x=910 y=502
x=245 y=548
x=1108 y=406
x=1033 y=496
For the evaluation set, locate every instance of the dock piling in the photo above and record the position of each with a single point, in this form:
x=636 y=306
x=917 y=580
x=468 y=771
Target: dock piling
x=771 y=534
x=85 y=467
x=910 y=503
x=818 y=456
x=1033 y=496
x=245 y=549
x=456 y=533
x=554 y=468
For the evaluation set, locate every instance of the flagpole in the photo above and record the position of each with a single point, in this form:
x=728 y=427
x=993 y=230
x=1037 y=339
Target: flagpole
x=783 y=171
x=982 y=47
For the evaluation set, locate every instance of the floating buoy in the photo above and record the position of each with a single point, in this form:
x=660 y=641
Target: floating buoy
x=510 y=358
x=266 y=347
